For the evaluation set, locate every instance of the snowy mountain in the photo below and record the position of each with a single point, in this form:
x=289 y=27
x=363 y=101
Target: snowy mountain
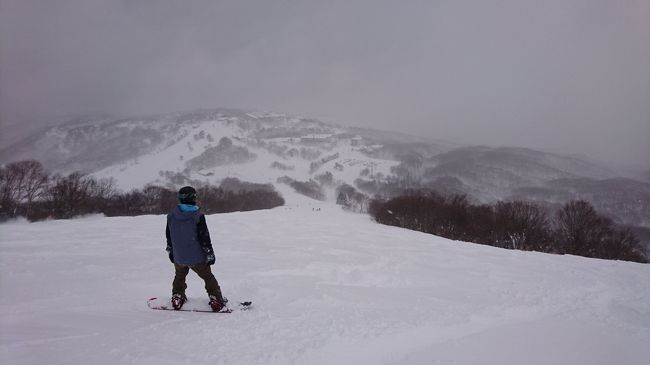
x=328 y=287
x=509 y=173
x=497 y=171
x=206 y=146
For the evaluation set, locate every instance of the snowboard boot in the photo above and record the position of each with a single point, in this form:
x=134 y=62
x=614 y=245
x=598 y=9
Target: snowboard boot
x=178 y=300
x=218 y=305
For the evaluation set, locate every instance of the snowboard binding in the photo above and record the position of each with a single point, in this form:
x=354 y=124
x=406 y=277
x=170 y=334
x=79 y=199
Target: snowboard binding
x=178 y=301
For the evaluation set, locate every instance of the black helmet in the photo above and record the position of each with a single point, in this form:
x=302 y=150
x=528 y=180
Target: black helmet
x=187 y=195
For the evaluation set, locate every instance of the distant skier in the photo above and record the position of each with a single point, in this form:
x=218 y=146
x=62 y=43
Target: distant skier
x=189 y=247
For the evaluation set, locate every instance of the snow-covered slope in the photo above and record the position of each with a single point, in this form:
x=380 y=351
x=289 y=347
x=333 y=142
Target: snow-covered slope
x=329 y=287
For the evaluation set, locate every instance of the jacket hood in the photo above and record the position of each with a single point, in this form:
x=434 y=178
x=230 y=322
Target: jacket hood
x=188 y=207
x=183 y=214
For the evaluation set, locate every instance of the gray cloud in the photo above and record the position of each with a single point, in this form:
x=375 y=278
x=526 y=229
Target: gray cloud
x=565 y=75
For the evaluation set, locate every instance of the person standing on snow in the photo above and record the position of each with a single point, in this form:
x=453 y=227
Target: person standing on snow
x=189 y=247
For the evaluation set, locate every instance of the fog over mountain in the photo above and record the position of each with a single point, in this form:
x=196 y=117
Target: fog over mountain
x=567 y=76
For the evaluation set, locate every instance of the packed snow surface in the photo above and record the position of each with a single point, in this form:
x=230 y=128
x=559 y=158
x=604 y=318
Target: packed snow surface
x=329 y=287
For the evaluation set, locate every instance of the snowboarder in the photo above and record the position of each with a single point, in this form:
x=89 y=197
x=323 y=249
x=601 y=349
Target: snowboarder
x=189 y=247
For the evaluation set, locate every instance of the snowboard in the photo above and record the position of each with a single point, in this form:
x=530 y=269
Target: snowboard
x=194 y=305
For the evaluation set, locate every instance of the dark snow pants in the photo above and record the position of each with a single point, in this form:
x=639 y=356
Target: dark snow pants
x=203 y=271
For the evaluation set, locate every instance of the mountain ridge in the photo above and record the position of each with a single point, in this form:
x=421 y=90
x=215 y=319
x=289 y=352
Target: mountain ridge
x=209 y=145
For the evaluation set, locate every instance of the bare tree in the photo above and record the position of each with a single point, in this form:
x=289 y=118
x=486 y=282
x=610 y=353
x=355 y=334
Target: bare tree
x=34 y=182
x=21 y=182
x=520 y=225
x=622 y=245
x=8 y=193
x=71 y=195
x=351 y=199
x=158 y=199
x=579 y=229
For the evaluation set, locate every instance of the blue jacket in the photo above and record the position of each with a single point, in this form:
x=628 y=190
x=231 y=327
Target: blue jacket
x=188 y=239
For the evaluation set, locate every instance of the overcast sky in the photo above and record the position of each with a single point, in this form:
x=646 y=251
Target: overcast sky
x=569 y=76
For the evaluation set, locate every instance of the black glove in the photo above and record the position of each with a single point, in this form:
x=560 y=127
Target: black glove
x=209 y=259
x=170 y=252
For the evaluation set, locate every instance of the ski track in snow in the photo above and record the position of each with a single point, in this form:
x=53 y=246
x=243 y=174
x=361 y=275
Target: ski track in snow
x=329 y=287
